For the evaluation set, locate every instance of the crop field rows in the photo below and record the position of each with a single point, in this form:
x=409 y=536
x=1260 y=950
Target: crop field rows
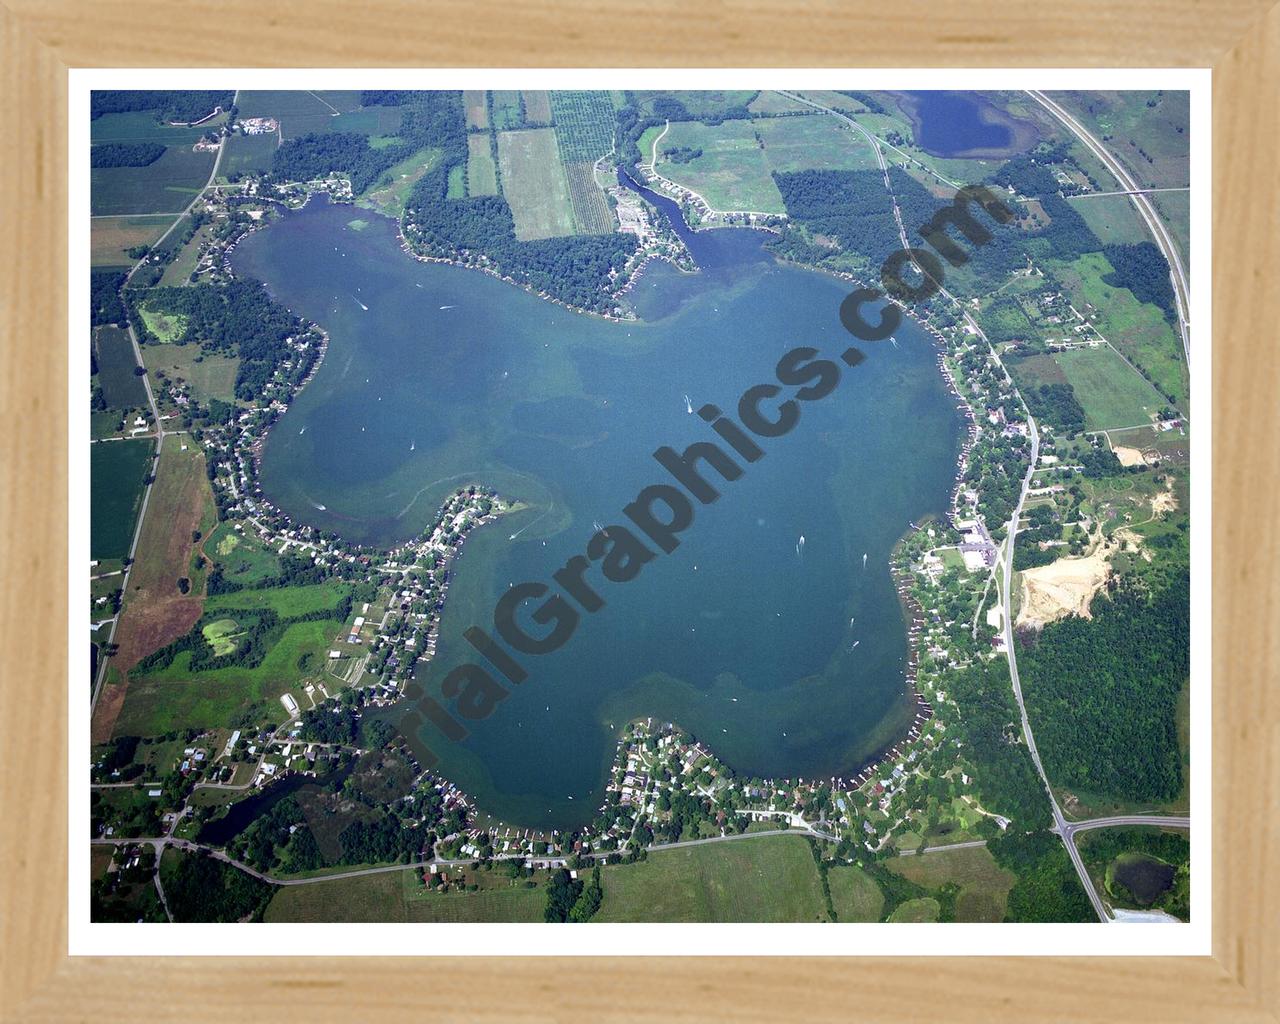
x=121 y=386
x=482 y=172
x=299 y=111
x=534 y=183
x=166 y=186
x=110 y=238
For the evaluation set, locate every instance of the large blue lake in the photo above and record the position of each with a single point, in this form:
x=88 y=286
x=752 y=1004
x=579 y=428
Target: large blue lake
x=787 y=658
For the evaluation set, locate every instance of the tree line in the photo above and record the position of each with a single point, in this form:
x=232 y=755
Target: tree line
x=169 y=104
x=125 y=154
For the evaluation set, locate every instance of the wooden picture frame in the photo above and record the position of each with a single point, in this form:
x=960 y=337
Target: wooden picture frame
x=42 y=39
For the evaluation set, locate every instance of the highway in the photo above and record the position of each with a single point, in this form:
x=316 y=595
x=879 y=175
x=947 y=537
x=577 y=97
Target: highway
x=1060 y=824
x=1177 y=272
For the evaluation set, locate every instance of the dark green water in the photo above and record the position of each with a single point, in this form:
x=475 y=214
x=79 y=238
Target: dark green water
x=737 y=635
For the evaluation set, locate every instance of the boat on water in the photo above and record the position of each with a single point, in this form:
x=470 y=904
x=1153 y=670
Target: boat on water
x=448 y=307
x=319 y=506
x=864 y=559
x=688 y=405
x=800 y=545
x=361 y=304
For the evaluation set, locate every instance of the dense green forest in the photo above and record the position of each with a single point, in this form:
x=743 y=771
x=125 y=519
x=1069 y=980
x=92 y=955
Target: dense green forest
x=125 y=154
x=199 y=888
x=1103 y=693
x=1048 y=888
x=851 y=207
x=105 y=306
x=236 y=317
x=1142 y=269
x=349 y=153
x=988 y=723
x=1057 y=405
x=184 y=105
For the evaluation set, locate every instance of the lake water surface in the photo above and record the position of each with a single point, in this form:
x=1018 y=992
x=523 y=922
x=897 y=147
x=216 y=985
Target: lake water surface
x=787 y=659
x=949 y=124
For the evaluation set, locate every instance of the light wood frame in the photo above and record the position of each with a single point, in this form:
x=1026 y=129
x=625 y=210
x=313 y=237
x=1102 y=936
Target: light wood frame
x=41 y=39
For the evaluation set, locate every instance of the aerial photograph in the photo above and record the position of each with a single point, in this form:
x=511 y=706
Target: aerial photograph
x=638 y=505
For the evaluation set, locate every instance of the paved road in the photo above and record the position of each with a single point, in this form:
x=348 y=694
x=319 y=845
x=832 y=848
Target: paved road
x=943 y=849
x=1059 y=821
x=1060 y=825
x=1164 y=240
x=1160 y=821
x=160 y=434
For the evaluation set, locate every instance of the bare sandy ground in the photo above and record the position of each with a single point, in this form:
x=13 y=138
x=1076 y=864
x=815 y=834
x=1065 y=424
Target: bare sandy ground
x=1061 y=588
x=1164 y=501
x=1129 y=456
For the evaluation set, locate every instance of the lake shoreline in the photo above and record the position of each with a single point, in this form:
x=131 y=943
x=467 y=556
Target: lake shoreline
x=892 y=748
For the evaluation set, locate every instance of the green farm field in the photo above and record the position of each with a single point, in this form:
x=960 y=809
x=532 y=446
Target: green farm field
x=1112 y=218
x=210 y=374
x=287 y=602
x=390 y=198
x=917 y=911
x=699 y=103
x=142 y=126
x=166 y=327
x=769 y=878
x=505 y=109
x=396 y=896
x=816 y=141
x=248 y=153
x=110 y=237
x=116 y=472
x=854 y=894
x=534 y=184
x=984 y=885
x=1138 y=330
x=770 y=102
x=243 y=559
x=180 y=269
x=121 y=386
x=1113 y=394
x=221 y=635
x=166 y=186
x=1148 y=131
x=299 y=111
x=477 y=108
x=731 y=174
x=482 y=173
x=1174 y=209
x=174 y=697
x=537 y=106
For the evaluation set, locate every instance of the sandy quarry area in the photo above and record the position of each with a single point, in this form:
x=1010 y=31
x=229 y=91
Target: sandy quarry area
x=1164 y=501
x=1129 y=456
x=1061 y=588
